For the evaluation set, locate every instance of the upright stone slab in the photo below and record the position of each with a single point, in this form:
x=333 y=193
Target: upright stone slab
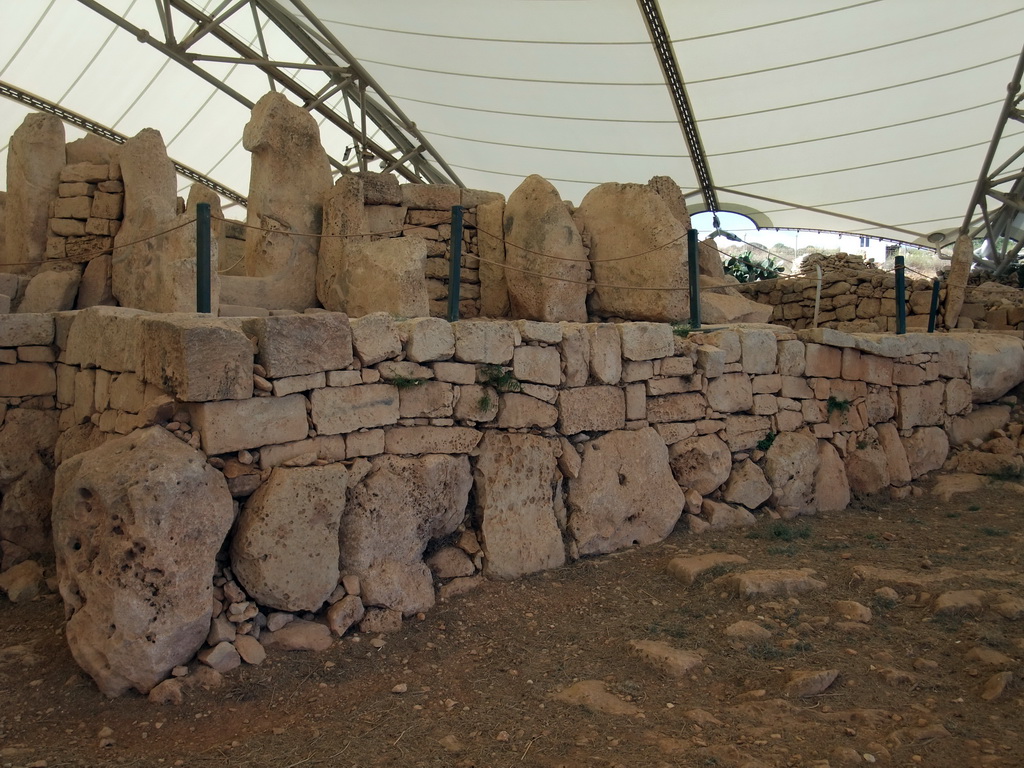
x=631 y=220
x=956 y=282
x=624 y=495
x=790 y=466
x=137 y=524
x=294 y=345
x=392 y=514
x=345 y=230
x=285 y=548
x=546 y=254
x=494 y=300
x=153 y=266
x=386 y=276
x=516 y=480
x=35 y=158
x=289 y=179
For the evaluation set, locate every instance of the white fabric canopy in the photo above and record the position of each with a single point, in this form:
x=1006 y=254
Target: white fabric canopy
x=869 y=116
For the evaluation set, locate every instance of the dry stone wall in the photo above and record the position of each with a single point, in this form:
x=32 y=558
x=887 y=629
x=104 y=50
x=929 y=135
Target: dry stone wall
x=863 y=300
x=375 y=465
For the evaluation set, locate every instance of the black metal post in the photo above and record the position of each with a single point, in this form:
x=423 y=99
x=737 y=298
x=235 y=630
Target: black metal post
x=901 y=297
x=455 y=266
x=203 y=273
x=693 y=276
x=933 y=310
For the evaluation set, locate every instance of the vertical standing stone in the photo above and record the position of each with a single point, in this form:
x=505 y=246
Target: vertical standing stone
x=34 y=161
x=956 y=283
x=542 y=242
x=493 y=282
x=344 y=225
x=153 y=266
x=289 y=178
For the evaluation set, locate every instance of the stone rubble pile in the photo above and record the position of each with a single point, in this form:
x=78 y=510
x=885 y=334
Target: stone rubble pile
x=833 y=261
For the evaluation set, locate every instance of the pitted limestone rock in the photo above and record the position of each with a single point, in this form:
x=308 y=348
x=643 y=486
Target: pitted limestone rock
x=135 y=562
x=285 y=548
x=625 y=494
x=392 y=514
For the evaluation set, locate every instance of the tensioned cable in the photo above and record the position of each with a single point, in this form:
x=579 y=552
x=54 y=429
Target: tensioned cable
x=85 y=67
x=737 y=30
x=825 y=100
x=870 y=49
x=712 y=154
x=508 y=78
x=878 y=197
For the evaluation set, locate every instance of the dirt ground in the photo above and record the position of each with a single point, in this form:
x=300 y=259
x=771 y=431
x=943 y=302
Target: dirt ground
x=472 y=685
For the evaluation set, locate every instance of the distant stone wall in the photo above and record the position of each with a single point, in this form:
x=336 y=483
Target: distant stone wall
x=374 y=464
x=864 y=301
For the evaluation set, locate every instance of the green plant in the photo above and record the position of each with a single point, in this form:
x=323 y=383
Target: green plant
x=681 y=329
x=403 y=382
x=745 y=268
x=766 y=442
x=1009 y=474
x=833 y=404
x=995 y=531
x=781 y=531
x=500 y=378
x=485 y=402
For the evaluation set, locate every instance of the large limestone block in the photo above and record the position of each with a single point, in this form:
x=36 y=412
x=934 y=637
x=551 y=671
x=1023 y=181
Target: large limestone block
x=428 y=339
x=416 y=441
x=196 y=358
x=747 y=486
x=605 y=353
x=234 y=425
x=790 y=466
x=516 y=411
x=591 y=409
x=575 y=348
x=137 y=524
x=289 y=179
x=730 y=393
x=51 y=291
x=545 y=254
x=484 y=341
x=996 y=365
x=979 y=424
x=494 y=299
x=646 y=341
x=759 y=350
x=386 y=276
x=831 y=485
x=294 y=345
x=920 y=406
x=375 y=338
x=624 y=495
x=956 y=282
x=392 y=515
x=35 y=158
x=700 y=463
x=94 y=289
x=27 y=441
x=26 y=330
x=285 y=548
x=516 y=480
x=867 y=469
x=669 y=191
x=538 y=365
x=896 y=460
x=153 y=266
x=105 y=337
x=337 y=410
x=632 y=220
x=927 y=449
x=717 y=307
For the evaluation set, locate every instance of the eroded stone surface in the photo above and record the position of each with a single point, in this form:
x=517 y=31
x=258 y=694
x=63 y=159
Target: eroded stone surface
x=134 y=561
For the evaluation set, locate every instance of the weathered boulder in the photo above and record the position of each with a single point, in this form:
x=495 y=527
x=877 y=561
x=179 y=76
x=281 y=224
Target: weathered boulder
x=978 y=424
x=701 y=463
x=137 y=524
x=625 y=493
x=721 y=516
x=27 y=442
x=632 y=220
x=516 y=481
x=35 y=158
x=897 y=465
x=747 y=486
x=391 y=516
x=289 y=179
x=927 y=449
x=725 y=307
x=545 y=252
x=790 y=466
x=285 y=548
x=867 y=468
x=52 y=290
x=996 y=365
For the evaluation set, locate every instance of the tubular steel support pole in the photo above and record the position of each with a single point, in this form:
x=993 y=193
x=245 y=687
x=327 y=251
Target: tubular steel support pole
x=933 y=310
x=901 y=297
x=203 y=274
x=693 y=276
x=455 y=266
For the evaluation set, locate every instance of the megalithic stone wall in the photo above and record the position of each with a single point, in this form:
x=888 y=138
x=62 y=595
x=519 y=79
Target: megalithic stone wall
x=409 y=435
